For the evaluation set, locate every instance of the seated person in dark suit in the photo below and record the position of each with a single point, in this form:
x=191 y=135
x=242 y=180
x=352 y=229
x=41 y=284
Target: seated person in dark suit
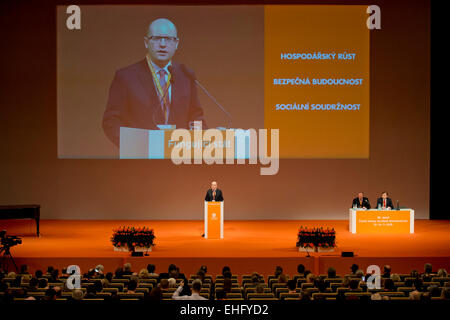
x=214 y=194
x=173 y=272
x=361 y=201
x=385 y=202
x=154 y=90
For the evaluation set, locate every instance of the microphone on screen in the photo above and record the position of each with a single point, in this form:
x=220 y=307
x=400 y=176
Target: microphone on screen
x=191 y=76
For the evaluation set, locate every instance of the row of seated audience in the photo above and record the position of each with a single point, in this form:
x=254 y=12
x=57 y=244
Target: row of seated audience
x=124 y=283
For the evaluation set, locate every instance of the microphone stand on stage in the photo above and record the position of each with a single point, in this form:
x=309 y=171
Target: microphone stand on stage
x=307 y=253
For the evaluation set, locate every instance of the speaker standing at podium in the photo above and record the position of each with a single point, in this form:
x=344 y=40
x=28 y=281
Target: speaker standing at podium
x=214 y=194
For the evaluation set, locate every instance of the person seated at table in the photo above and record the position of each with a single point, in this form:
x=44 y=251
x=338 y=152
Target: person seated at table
x=361 y=202
x=384 y=202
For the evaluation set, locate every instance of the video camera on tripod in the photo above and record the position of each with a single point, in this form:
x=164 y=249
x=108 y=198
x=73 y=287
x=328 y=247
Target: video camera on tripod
x=6 y=242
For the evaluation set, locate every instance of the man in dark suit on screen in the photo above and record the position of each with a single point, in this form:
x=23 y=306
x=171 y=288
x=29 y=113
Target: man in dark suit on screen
x=385 y=202
x=153 y=91
x=214 y=194
x=361 y=202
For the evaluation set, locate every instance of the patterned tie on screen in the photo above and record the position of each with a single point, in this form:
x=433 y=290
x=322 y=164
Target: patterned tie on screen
x=214 y=195
x=384 y=203
x=162 y=82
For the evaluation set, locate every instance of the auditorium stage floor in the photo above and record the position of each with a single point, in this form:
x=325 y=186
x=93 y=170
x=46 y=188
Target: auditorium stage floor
x=248 y=245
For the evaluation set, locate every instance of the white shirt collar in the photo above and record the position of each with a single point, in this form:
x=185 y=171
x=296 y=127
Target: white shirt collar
x=157 y=68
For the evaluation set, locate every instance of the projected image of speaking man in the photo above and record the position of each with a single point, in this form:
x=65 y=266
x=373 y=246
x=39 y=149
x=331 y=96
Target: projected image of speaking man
x=153 y=91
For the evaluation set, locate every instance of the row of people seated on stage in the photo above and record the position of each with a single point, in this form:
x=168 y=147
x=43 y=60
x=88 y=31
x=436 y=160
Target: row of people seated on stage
x=303 y=285
x=383 y=202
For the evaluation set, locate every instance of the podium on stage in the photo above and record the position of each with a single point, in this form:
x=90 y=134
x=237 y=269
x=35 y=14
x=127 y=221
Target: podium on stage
x=138 y=143
x=381 y=221
x=213 y=219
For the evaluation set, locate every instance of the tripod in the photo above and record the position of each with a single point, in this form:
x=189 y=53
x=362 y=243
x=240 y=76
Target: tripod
x=6 y=253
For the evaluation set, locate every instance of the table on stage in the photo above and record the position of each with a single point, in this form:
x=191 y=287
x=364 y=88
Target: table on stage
x=381 y=221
